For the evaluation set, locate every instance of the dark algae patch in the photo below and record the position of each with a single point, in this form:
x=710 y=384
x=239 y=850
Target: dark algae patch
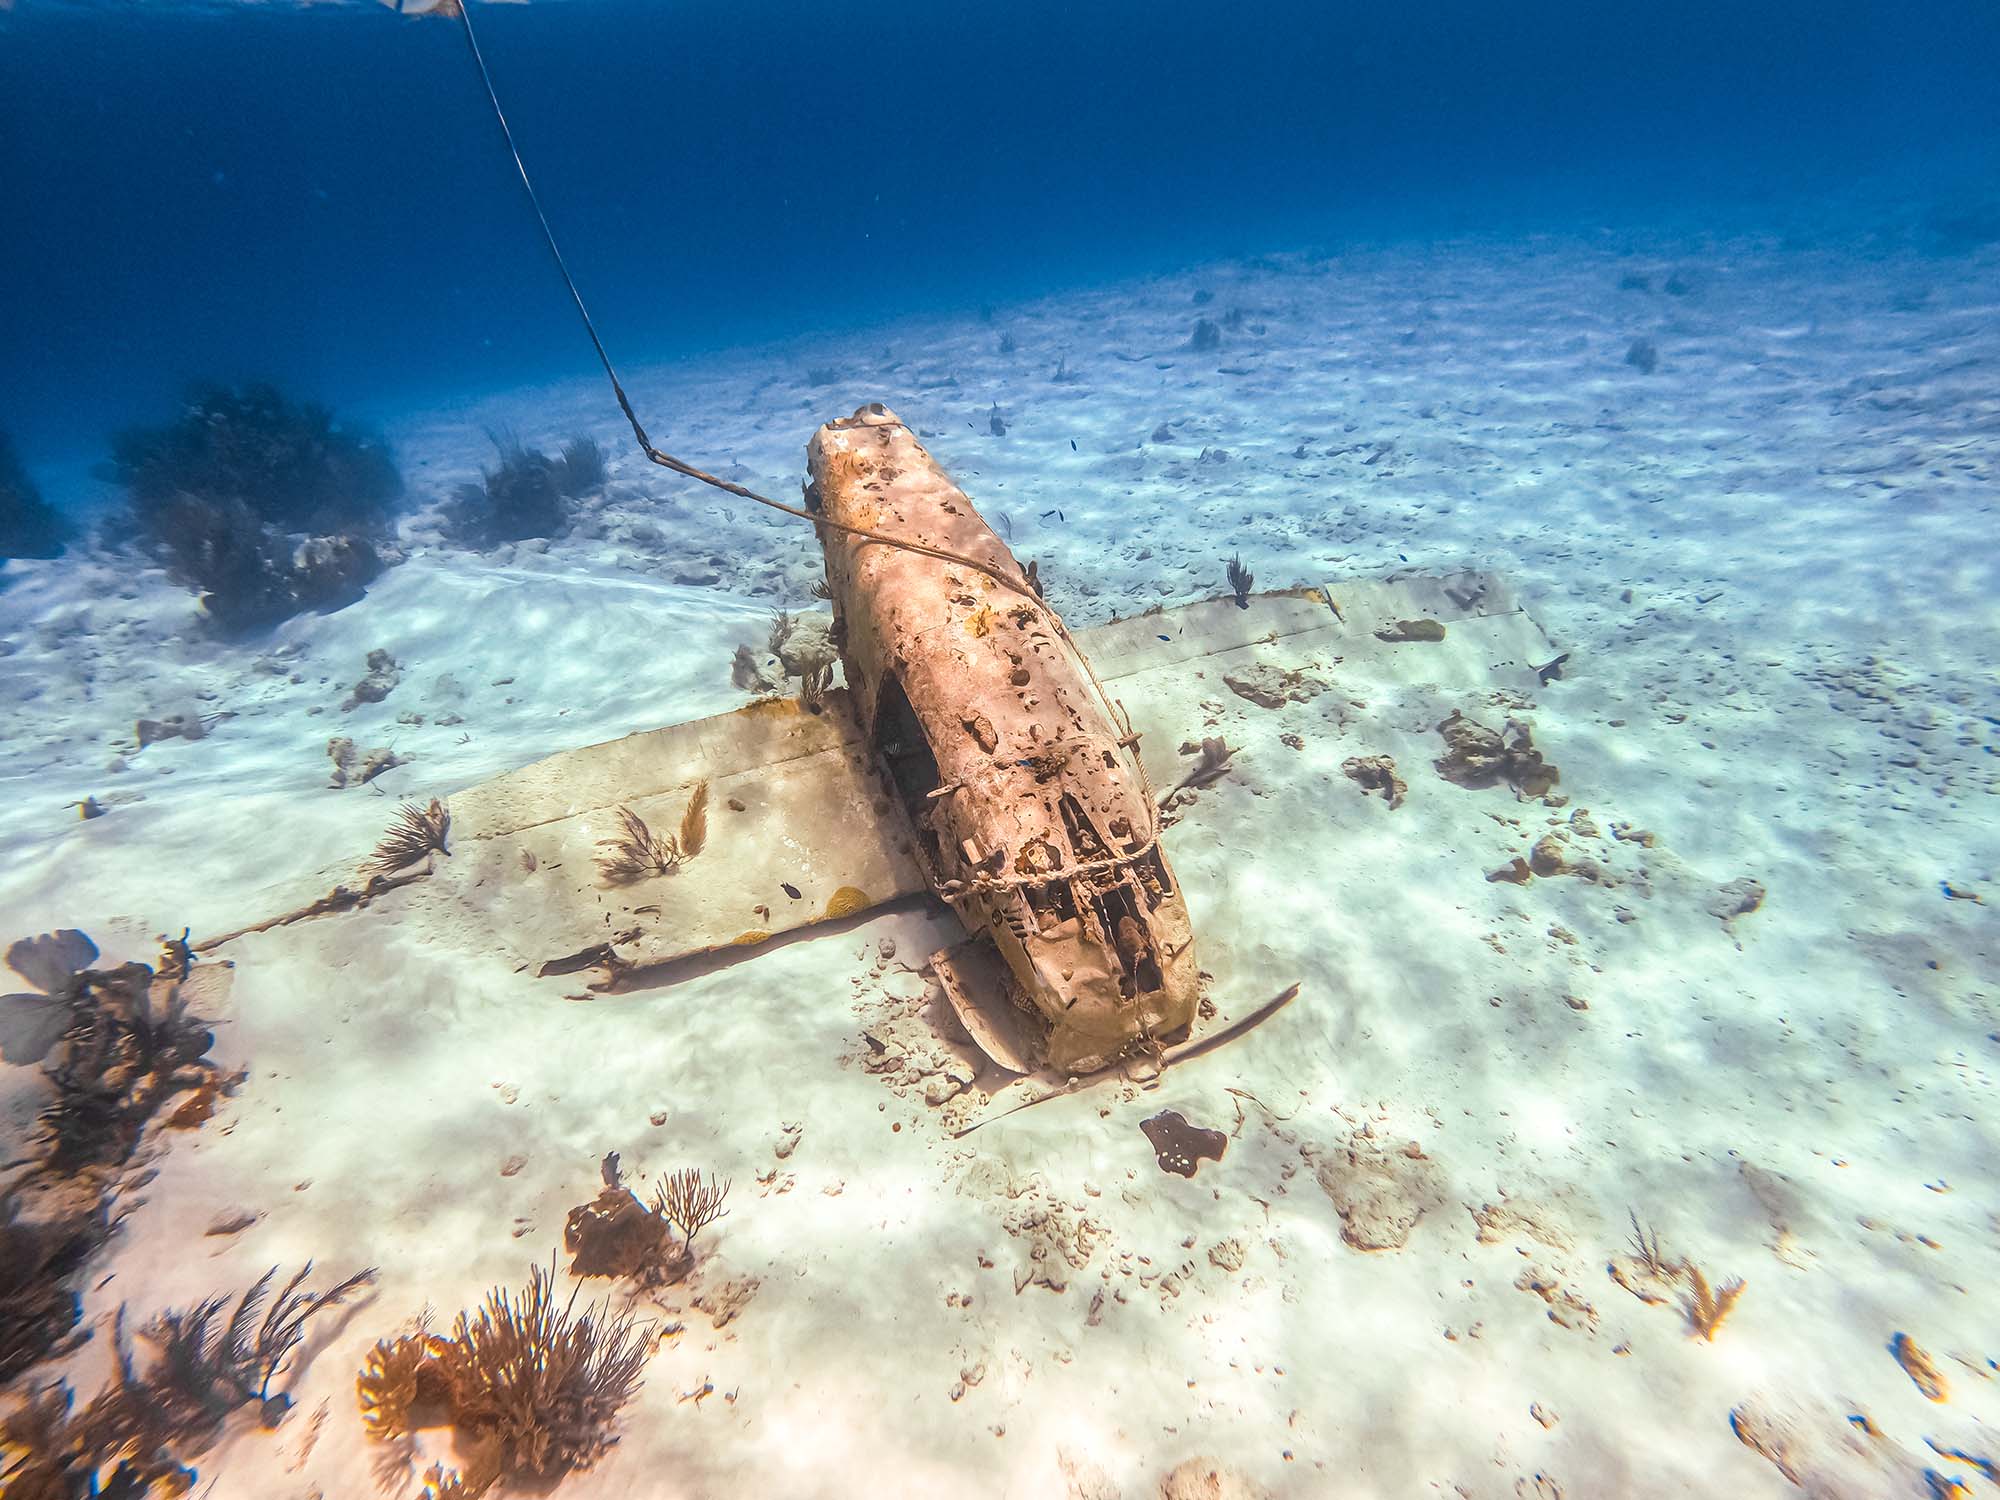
x=1180 y=1146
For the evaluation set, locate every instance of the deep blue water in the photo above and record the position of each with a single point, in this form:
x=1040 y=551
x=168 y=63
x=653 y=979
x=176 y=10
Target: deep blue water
x=320 y=196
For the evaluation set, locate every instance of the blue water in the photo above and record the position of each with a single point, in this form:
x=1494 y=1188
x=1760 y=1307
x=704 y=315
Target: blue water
x=318 y=195
x=1676 y=321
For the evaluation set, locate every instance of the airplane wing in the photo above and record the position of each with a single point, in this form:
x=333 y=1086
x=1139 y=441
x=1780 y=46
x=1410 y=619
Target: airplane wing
x=802 y=829
x=1162 y=666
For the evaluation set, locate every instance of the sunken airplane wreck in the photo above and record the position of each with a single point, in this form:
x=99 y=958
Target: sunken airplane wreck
x=979 y=753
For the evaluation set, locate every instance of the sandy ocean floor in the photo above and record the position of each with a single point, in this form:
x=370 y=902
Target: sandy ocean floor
x=1772 y=560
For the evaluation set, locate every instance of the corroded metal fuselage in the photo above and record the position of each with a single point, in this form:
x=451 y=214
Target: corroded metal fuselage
x=1024 y=794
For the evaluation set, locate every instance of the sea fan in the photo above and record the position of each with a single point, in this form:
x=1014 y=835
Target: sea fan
x=812 y=688
x=684 y=1201
x=638 y=852
x=416 y=832
x=1706 y=1307
x=204 y=1371
x=146 y=1422
x=694 y=822
x=1240 y=579
x=582 y=466
x=1646 y=1248
x=284 y=1327
x=524 y=497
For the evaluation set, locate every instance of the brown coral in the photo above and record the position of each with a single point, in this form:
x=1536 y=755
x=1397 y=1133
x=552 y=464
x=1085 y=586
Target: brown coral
x=118 y=1045
x=1376 y=773
x=544 y=1383
x=1240 y=581
x=684 y=1201
x=617 y=1235
x=153 y=1416
x=1919 y=1366
x=46 y=1237
x=1648 y=1275
x=416 y=832
x=639 y=852
x=1706 y=1308
x=399 y=1378
x=535 y=1387
x=131 y=1042
x=1477 y=757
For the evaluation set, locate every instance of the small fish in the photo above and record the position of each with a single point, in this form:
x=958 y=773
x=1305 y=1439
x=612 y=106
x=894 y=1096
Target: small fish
x=789 y=889
x=1166 y=637
x=1056 y=513
x=1072 y=445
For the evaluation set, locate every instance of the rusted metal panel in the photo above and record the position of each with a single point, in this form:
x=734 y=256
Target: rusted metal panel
x=1366 y=604
x=1150 y=661
x=1027 y=802
x=1157 y=681
x=1144 y=642
x=767 y=733
x=1490 y=641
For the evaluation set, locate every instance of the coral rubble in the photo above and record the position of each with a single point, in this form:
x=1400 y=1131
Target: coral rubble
x=1476 y=756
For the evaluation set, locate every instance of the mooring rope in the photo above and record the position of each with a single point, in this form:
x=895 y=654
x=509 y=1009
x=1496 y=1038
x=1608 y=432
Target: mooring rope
x=1018 y=583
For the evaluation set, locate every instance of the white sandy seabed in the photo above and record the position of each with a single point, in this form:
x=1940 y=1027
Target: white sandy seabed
x=1773 y=561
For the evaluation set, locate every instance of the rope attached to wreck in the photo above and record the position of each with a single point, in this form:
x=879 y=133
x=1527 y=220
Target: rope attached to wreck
x=982 y=884
x=1019 y=584
x=1017 y=581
